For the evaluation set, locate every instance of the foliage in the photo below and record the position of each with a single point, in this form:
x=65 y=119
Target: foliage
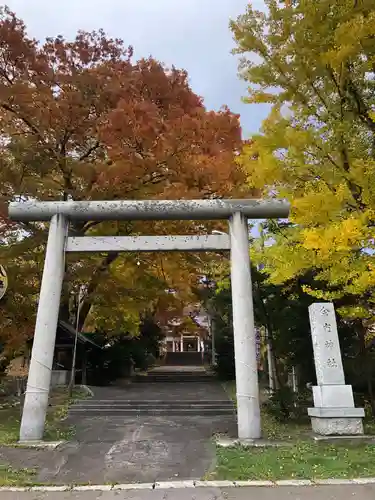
x=81 y=120
x=112 y=362
x=314 y=65
x=284 y=404
x=224 y=349
x=150 y=336
x=282 y=310
x=217 y=302
x=221 y=304
x=17 y=307
x=122 y=352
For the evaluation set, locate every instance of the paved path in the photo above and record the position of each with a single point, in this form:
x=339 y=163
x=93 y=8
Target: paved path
x=277 y=493
x=127 y=449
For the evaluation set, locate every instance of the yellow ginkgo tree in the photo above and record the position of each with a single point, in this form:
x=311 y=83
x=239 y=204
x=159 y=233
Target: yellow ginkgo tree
x=314 y=64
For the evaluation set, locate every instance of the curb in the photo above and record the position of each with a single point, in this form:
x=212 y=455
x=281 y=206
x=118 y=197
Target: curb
x=168 y=485
x=38 y=445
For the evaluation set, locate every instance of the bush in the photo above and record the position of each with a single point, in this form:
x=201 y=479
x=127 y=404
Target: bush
x=123 y=352
x=284 y=404
x=225 y=366
x=110 y=363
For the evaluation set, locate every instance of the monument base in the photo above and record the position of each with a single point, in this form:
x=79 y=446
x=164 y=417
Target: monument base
x=337 y=396
x=337 y=421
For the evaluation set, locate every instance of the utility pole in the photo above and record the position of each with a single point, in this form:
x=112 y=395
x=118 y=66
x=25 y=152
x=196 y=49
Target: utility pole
x=271 y=370
x=213 y=348
x=81 y=296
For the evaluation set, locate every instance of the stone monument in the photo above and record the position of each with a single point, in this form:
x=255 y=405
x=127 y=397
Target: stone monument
x=334 y=412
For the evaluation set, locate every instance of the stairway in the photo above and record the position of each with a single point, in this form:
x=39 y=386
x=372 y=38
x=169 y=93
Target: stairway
x=131 y=408
x=167 y=376
x=191 y=358
x=168 y=392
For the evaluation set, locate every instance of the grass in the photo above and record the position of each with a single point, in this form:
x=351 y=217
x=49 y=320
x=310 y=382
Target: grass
x=56 y=428
x=303 y=460
x=300 y=457
x=16 y=477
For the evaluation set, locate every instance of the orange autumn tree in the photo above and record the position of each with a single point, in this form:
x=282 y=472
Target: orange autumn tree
x=81 y=120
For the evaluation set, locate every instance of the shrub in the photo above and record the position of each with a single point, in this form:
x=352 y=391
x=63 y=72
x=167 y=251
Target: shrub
x=224 y=346
x=284 y=404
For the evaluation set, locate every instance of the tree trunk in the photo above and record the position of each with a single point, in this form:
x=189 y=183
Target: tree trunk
x=93 y=285
x=367 y=364
x=273 y=375
x=97 y=274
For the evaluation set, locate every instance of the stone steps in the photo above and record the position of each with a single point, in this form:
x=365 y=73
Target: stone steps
x=153 y=407
x=134 y=407
x=184 y=358
x=167 y=376
x=172 y=378
x=136 y=412
x=194 y=393
x=153 y=402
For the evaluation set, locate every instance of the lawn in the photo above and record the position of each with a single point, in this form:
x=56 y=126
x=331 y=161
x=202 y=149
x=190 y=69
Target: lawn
x=56 y=428
x=303 y=460
x=300 y=458
x=16 y=477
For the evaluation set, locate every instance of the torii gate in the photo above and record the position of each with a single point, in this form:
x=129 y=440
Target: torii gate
x=60 y=213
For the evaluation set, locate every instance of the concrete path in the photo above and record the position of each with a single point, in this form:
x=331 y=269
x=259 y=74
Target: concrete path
x=365 y=492
x=128 y=449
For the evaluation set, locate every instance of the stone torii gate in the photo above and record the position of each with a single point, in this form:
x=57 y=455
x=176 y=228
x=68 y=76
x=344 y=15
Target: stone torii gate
x=59 y=214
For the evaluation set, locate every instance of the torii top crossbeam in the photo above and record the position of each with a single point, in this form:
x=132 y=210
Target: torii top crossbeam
x=148 y=209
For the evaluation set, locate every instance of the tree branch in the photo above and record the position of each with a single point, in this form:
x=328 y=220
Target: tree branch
x=89 y=151
x=93 y=285
x=361 y=108
x=29 y=124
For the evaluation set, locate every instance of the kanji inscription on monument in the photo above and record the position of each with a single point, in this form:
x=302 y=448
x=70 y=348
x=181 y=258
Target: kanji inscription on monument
x=334 y=412
x=327 y=354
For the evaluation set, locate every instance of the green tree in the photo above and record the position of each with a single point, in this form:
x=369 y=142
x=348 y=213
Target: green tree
x=122 y=351
x=279 y=310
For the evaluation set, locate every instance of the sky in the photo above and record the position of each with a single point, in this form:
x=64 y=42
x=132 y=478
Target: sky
x=191 y=34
